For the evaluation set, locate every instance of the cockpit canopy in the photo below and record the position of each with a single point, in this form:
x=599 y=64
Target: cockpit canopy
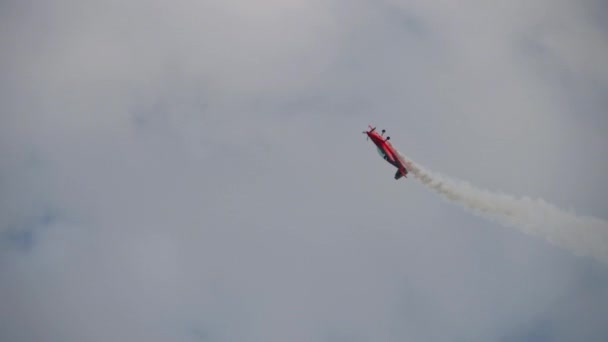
x=381 y=153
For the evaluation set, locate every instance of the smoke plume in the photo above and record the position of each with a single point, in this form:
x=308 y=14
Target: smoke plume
x=583 y=236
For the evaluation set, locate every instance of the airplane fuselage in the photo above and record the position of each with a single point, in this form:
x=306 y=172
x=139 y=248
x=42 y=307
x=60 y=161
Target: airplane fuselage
x=387 y=152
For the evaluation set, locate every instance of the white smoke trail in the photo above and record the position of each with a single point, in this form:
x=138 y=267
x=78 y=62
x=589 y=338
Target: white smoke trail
x=584 y=236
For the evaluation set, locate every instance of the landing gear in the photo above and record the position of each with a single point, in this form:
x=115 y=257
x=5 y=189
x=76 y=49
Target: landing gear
x=387 y=139
x=383 y=132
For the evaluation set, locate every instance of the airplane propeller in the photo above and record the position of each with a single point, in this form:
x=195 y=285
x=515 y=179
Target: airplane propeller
x=373 y=129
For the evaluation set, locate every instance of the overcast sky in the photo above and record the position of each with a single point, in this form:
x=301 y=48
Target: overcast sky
x=195 y=170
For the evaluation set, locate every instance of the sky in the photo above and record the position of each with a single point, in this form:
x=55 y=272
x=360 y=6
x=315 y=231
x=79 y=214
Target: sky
x=195 y=171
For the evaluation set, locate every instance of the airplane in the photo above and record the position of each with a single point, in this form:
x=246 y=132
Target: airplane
x=387 y=151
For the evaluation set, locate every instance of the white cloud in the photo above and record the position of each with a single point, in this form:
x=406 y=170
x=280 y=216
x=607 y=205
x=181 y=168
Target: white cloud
x=205 y=168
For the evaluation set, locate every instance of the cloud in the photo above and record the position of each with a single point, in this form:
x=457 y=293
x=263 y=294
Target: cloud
x=203 y=165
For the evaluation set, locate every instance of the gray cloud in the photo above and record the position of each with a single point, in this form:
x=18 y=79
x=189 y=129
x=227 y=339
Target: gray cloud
x=208 y=182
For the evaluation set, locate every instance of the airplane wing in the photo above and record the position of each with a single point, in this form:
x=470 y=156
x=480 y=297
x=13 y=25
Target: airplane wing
x=390 y=156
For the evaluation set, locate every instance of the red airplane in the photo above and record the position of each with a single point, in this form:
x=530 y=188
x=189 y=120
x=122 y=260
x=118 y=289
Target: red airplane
x=387 y=151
